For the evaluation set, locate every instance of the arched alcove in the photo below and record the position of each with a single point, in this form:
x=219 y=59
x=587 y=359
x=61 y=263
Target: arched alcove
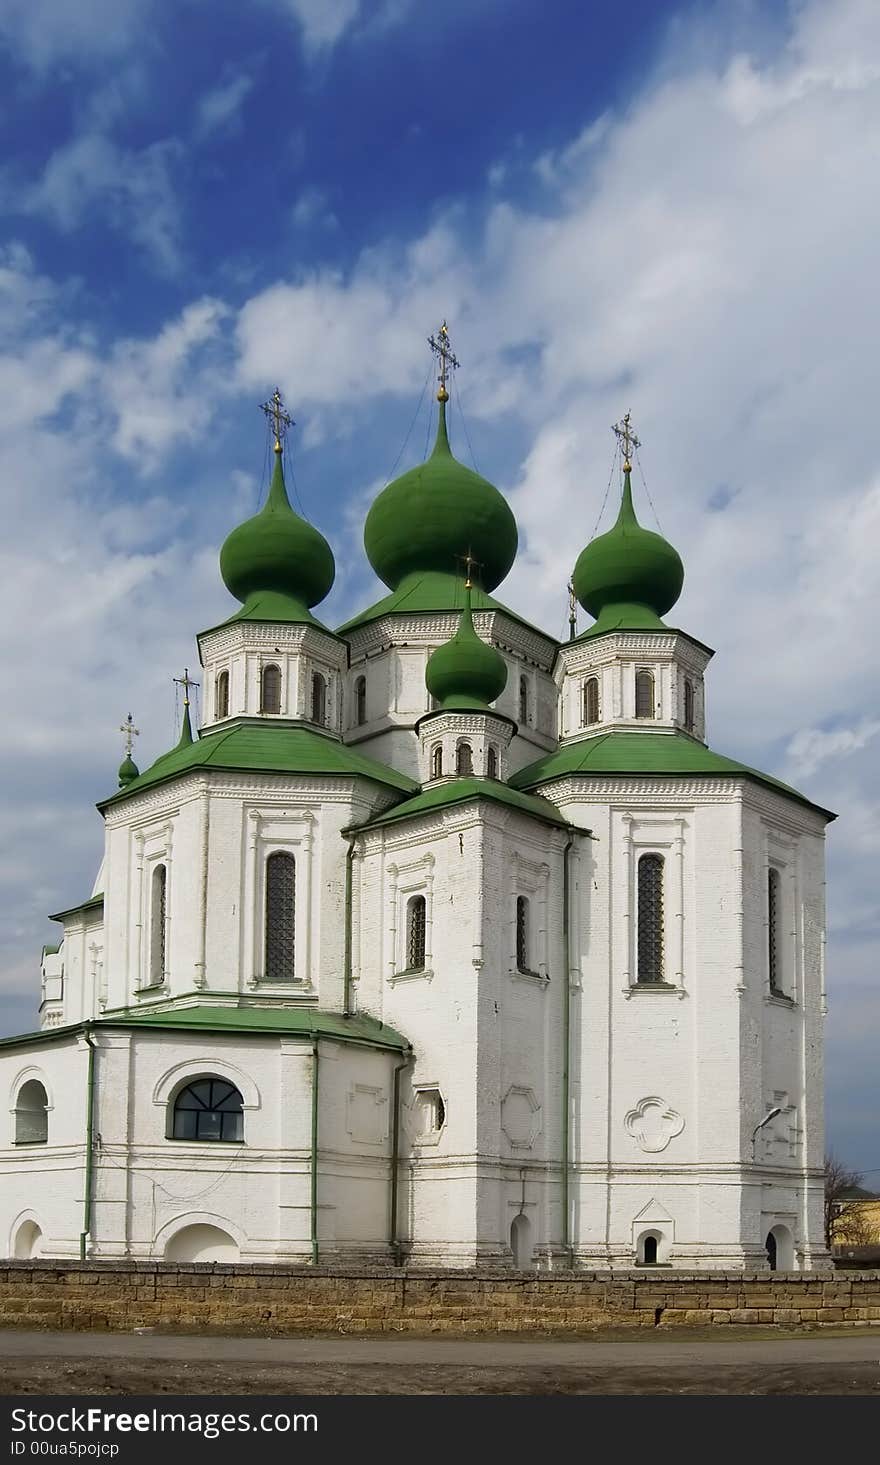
x=28 y=1241
x=201 y=1243
x=650 y=1249
x=521 y=1242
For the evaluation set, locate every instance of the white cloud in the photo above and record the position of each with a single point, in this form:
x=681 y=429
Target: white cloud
x=44 y=32
x=812 y=746
x=312 y=208
x=321 y=22
x=133 y=190
x=219 y=110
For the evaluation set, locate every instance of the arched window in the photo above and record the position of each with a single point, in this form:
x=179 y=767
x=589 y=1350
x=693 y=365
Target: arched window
x=437 y=762
x=31 y=1114
x=221 y=698
x=464 y=759
x=416 y=921
x=208 y=1108
x=523 y=935
x=688 y=706
x=360 y=701
x=644 y=694
x=158 y=923
x=650 y=918
x=591 y=701
x=492 y=763
x=270 y=688
x=773 y=962
x=280 y=965
x=319 y=698
x=523 y=699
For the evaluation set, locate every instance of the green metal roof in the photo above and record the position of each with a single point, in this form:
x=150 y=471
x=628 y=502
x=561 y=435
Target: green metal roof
x=94 y=903
x=461 y=790
x=270 y=1021
x=433 y=592
x=674 y=754
x=265 y=747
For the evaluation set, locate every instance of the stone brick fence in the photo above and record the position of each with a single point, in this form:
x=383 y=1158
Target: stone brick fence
x=271 y=1299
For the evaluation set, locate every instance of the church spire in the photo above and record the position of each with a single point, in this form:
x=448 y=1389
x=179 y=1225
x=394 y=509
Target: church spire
x=186 y=732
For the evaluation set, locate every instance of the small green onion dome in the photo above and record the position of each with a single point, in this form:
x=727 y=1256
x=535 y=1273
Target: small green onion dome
x=434 y=515
x=629 y=576
x=276 y=560
x=466 y=673
x=128 y=771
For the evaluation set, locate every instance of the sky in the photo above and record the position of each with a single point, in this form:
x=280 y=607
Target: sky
x=666 y=208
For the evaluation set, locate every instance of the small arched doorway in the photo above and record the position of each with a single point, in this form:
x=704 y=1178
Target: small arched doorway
x=28 y=1239
x=202 y=1243
x=647 y=1249
x=521 y=1242
x=780 y=1249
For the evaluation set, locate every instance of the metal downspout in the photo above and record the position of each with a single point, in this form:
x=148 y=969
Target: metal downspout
x=90 y=1139
x=313 y=1202
x=346 y=989
x=566 y=1055
x=393 y=1241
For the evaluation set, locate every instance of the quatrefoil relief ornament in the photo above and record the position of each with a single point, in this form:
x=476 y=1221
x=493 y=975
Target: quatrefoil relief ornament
x=652 y=1124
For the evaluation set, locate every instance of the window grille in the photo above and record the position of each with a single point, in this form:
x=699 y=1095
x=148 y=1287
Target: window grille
x=270 y=689
x=158 y=923
x=280 y=917
x=522 y=934
x=464 y=759
x=644 y=694
x=437 y=762
x=416 y=922
x=650 y=919
x=591 y=701
x=209 y=1109
x=689 y=706
x=773 y=963
x=319 y=699
x=360 y=701
x=222 y=709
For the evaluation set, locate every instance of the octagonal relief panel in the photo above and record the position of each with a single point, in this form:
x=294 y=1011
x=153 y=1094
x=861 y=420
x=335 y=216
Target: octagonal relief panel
x=521 y=1117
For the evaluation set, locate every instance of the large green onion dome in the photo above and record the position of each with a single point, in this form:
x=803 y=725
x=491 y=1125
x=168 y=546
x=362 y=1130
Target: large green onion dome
x=434 y=515
x=466 y=673
x=630 y=576
x=275 y=563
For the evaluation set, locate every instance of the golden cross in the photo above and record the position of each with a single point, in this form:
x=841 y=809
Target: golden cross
x=470 y=564
x=624 y=434
x=281 y=419
x=131 y=732
x=186 y=682
x=442 y=349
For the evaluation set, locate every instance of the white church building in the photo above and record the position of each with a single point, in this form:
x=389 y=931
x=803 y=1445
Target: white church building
x=440 y=942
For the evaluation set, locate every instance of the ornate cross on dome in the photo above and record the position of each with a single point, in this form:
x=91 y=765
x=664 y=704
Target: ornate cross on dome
x=131 y=732
x=186 y=682
x=625 y=435
x=470 y=564
x=280 y=418
x=442 y=349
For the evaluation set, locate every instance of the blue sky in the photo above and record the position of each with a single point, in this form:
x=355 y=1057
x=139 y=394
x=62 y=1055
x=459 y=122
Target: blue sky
x=658 y=207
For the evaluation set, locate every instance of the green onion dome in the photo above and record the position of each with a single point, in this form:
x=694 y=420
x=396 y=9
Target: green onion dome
x=275 y=563
x=466 y=673
x=128 y=771
x=630 y=576
x=434 y=515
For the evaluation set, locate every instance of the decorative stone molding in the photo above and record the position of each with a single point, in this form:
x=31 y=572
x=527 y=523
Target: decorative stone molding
x=652 y=1124
x=521 y=1119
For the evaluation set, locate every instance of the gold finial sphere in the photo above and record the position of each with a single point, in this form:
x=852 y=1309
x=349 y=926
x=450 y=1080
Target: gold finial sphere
x=442 y=395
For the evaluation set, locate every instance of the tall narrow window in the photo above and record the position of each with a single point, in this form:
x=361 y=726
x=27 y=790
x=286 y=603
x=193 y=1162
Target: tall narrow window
x=270 y=688
x=360 y=701
x=492 y=763
x=591 y=701
x=464 y=759
x=650 y=918
x=415 y=933
x=523 y=935
x=644 y=694
x=319 y=698
x=31 y=1114
x=222 y=695
x=523 y=699
x=280 y=917
x=688 y=706
x=158 y=923
x=773 y=962
x=437 y=762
